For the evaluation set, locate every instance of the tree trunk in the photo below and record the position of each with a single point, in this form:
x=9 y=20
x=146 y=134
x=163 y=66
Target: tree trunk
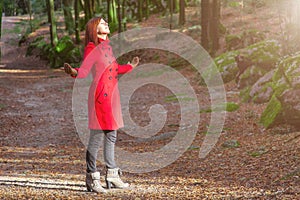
x=119 y=16
x=112 y=15
x=1 y=8
x=147 y=9
x=53 y=32
x=77 y=28
x=205 y=15
x=140 y=10
x=89 y=9
x=176 y=5
x=214 y=25
x=69 y=22
x=171 y=9
x=30 y=14
x=158 y=5
x=123 y=14
x=182 y=13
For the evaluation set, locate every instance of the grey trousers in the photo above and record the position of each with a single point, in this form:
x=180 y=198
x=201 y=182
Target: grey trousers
x=109 y=138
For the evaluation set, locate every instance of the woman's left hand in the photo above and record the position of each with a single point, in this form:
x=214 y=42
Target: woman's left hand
x=135 y=61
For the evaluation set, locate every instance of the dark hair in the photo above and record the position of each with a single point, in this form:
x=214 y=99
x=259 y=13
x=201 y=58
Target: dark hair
x=91 y=30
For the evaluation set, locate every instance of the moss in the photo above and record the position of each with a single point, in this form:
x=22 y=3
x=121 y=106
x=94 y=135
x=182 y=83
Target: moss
x=264 y=88
x=209 y=74
x=227 y=65
x=289 y=67
x=280 y=86
x=233 y=42
x=251 y=36
x=245 y=94
x=222 y=29
x=231 y=144
x=250 y=76
x=228 y=106
x=264 y=53
x=178 y=97
x=273 y=109
x=231 y=106
x=287 y=72
x=226 y=59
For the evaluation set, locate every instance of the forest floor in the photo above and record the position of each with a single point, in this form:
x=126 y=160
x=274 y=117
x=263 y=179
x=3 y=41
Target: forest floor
x=42 y=157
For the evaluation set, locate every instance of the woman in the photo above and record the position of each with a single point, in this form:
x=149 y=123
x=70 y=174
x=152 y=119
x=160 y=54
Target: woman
x=104 y=108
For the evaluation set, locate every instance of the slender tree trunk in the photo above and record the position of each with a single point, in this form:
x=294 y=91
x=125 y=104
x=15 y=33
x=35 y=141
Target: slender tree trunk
x=48 y=11
x=114 y=11
x=205 y=15
x=123 y=14
x=215 y=22
x=77 y=28
x=1 y=8
x=158 y=5
x=30 y=14
x=112 y=14
x=171 y=8
x=176 y=5
x=182 y=13
x=147 y=9
x=89 y=9
x=81 y=4
x=69 y=22
x=119 y=16
x=108 y=11
x=140 y=10
x=53 y=32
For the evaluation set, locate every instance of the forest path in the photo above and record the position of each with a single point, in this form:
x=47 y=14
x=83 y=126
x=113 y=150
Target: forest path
x=43 y=158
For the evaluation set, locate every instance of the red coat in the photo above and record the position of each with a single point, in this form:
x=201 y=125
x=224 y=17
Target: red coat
x=104 y=107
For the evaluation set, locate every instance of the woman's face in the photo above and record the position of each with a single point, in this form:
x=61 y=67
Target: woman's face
x=102 y=27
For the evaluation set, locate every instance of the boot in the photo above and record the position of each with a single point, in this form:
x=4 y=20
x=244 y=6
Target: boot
x=113 y=179
x=92 y=182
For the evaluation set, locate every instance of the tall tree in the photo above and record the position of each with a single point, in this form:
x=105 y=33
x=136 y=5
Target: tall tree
x=51 y=19
x=205 y=16
x=119 y=16
x=89 y=9
x=29 y=8
x=1 y=8
x=214 y=25
x=140 y=10
x=124 y=4
x=147 y=12
x=210 y=22
x=181 y=12
x=159 y=7
x=112 y=14
x=173 y=5
x=67 y=9
x=77 y=19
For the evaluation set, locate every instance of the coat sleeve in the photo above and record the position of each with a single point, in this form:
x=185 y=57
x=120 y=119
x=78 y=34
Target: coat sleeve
x=88 y=61
x=122 y=69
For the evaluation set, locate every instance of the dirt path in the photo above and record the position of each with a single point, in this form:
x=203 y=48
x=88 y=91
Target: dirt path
x=43 y=158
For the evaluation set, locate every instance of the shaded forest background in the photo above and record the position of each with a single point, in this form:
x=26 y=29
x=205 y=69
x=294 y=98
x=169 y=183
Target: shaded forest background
x=254 y=44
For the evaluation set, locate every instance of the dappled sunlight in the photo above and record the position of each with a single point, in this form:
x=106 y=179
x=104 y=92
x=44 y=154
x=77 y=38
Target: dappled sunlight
x=54 y=160
x=20 y=71
x=146 y=186
x=24 y=77
x=42 y=182
x=29 y=74
x=43 y=156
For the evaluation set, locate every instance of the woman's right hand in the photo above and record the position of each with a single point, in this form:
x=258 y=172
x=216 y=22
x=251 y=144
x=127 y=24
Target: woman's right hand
x=70 y=70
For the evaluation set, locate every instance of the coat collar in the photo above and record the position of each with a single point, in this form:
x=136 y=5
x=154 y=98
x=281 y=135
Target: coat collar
x=102 y=41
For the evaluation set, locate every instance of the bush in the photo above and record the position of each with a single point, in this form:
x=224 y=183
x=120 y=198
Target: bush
x=64 y=51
